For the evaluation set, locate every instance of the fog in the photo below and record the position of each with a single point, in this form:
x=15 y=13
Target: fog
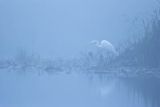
x=79 y=53
x=63 y=28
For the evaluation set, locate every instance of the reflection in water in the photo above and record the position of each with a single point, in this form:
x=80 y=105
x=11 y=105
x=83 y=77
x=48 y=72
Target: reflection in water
x=77 y=90
x=147 y=87
x=144 y=89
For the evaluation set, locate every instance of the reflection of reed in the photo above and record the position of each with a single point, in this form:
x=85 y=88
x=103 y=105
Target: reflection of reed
x=148 y=88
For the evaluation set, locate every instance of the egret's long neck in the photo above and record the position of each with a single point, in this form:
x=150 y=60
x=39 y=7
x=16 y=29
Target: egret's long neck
x=97 y=43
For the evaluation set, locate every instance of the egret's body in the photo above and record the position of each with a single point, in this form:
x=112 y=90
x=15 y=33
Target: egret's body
x=106 y=46
x=101 y=53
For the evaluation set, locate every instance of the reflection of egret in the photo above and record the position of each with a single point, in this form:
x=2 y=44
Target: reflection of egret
x=107 y=88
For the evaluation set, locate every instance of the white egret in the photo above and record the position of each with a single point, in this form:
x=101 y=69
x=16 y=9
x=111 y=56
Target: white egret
x=105 y=46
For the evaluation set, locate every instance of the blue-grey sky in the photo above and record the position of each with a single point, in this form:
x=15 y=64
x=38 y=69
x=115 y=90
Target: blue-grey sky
x=64 y=27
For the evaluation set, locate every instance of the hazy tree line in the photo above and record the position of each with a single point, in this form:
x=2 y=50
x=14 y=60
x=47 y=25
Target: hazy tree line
x=144 y=52
x=141 y=52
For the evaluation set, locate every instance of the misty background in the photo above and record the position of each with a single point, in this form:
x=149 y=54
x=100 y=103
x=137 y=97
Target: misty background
x=93 y=53
x=63 y=28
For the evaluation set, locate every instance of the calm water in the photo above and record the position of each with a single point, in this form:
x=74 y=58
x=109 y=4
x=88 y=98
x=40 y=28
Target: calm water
x=76 y=90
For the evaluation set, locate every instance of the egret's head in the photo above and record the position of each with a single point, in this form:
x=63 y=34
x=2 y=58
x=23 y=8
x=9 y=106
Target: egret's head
x=95 y=42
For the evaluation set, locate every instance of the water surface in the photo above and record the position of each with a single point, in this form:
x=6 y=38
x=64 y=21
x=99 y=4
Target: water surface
x=19 y=89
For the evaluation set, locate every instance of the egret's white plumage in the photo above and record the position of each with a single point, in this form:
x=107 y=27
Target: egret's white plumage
x=105 y=45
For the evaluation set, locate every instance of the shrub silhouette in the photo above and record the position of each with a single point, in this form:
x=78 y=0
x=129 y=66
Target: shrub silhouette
x=146 y=51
